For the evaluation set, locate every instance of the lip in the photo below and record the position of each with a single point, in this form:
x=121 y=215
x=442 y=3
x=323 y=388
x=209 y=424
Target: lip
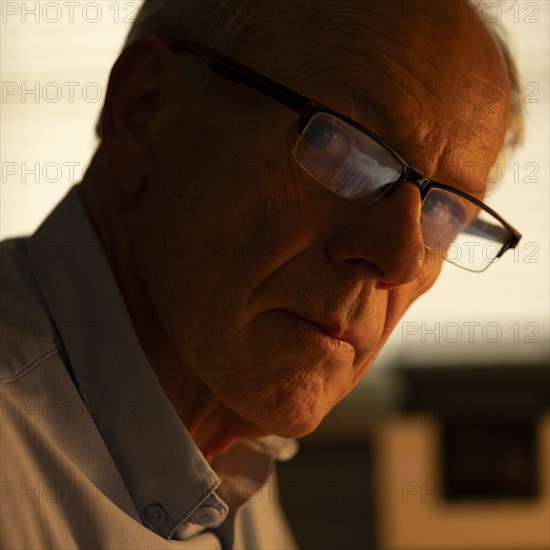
x=331 y=329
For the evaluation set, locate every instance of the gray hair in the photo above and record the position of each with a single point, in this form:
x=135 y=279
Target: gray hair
x=223 y=24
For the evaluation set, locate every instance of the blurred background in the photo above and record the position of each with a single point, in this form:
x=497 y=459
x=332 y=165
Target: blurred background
x=446 y=442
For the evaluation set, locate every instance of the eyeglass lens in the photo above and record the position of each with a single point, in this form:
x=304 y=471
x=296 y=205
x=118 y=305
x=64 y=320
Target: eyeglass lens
x=345 y=160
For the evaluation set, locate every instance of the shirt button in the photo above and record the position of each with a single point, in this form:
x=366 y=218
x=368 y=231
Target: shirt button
x=155 y=514
x=206 y=516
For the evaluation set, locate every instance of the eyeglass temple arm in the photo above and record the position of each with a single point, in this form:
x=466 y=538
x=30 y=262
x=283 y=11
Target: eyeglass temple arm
x=232 y=70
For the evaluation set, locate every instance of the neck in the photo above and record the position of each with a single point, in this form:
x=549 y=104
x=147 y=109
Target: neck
x=210 y=423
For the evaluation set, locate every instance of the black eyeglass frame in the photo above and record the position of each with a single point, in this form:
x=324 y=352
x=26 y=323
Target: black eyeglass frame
x=306 y=108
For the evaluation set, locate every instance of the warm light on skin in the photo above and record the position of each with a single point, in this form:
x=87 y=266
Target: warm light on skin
x=217 y=272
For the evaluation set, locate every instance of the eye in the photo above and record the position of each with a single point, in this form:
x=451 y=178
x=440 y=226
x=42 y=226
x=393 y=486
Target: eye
x=444 y=210
x=319 y=134
x=322 y=134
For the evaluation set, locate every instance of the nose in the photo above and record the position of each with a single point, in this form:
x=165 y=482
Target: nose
x=383 y=239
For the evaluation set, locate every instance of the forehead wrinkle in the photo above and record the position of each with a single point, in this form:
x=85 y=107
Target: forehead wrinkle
x=336 y=69
x=463 y=119
x=391 y=67
x=441 y=150
x=338 y=60
x=405 y=56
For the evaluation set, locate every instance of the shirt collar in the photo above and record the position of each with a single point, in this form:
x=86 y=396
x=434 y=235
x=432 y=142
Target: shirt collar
x=168 y=477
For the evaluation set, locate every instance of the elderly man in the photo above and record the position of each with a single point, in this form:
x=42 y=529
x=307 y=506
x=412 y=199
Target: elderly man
x=274 y=186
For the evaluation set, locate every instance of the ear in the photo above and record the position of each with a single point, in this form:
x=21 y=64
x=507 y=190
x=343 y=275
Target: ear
x=132 y=104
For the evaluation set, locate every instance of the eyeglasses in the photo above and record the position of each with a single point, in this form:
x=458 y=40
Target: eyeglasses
x=357 y=165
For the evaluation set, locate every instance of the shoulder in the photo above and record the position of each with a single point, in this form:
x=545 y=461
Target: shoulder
x=26 y=333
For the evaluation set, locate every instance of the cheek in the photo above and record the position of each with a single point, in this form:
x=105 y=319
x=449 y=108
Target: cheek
x=208 y=242
x=432 y=269
x=425 y=281
x=401 y=298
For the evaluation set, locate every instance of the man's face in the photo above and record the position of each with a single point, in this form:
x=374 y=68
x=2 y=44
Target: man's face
x=277 y=293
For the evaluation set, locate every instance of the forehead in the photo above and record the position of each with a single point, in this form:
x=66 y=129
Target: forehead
x=431 y=83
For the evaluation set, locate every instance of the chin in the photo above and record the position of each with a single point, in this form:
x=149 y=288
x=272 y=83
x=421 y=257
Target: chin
x=297 y=429
x=283 y=388
x=294 y=422
x=287 y=411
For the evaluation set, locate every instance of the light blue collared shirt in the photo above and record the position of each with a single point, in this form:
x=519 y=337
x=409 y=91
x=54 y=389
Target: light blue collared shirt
x=69 y=346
